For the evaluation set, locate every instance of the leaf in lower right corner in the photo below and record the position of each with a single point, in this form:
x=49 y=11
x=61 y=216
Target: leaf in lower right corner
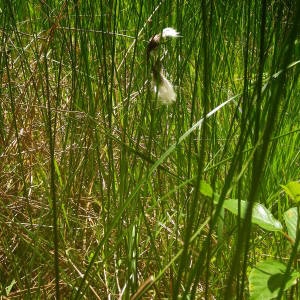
x=206 y=189
x=266 y=278
x=260 y=214
x=291 y=219
x=293 y=190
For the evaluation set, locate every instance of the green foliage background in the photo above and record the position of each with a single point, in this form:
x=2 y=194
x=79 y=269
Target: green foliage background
x=100 y=185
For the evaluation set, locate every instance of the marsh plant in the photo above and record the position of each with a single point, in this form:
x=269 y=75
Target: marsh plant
x=107 y=194
x=162 y=87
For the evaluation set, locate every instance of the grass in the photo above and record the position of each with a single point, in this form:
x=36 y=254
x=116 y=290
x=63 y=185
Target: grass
x=102 y=187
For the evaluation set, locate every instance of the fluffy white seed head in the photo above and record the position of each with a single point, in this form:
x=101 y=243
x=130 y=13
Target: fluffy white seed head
x=156 y=39
x=170 y=32
x=164 y=90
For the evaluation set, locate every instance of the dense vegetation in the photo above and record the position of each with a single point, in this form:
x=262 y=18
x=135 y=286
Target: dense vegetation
x=106 y=193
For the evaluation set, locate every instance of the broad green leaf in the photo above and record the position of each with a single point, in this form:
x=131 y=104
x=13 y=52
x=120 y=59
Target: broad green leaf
x=290 y=218
x=260 y=214
x=293 y=190
x=266 y=278
x=205 y=189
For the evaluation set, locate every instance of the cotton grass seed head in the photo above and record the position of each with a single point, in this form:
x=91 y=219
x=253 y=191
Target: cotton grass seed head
x=161 y=86
x=164 y=90
x=155 y=40
x=170 y=32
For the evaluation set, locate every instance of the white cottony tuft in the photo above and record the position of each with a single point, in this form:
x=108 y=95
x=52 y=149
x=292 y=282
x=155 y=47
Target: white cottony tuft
x=164 y=91
x=162 y=87
x=170 y=32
